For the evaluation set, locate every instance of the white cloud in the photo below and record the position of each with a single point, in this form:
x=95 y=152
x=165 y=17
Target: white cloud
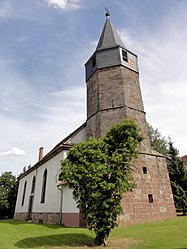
x=13 y=152
x=63 y=4
x=5 y=9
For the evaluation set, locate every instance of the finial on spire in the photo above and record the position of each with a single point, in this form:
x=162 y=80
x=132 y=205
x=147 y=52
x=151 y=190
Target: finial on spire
x=107 y=14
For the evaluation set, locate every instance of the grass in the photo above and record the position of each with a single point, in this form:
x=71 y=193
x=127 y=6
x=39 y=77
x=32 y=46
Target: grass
x=163 y=235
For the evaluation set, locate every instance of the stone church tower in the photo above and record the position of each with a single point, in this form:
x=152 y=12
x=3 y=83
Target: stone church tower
x=113 y=94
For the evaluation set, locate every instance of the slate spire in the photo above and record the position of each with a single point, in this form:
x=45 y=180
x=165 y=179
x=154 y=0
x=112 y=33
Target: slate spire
x=109 y=37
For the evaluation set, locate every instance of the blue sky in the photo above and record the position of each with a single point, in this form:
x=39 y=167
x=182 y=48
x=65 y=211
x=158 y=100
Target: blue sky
x=43 y=47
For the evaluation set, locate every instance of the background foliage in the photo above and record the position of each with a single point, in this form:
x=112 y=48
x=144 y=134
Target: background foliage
x=176 y=167
x=8 y=194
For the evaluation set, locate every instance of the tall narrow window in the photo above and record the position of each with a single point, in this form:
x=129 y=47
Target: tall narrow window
x=124 y=55
x=44 y=186
x=33 y=185
x=24 y=191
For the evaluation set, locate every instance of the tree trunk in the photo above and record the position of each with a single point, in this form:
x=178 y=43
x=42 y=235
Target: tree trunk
x=101 y=239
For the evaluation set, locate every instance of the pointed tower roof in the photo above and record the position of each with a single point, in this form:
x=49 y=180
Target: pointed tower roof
x=109 y=37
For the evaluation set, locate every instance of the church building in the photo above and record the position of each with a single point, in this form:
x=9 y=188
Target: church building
x=113 y=94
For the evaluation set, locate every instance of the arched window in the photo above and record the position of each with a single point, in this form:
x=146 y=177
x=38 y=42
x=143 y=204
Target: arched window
x=24 y=191
x=44 y=186
x=33 y=184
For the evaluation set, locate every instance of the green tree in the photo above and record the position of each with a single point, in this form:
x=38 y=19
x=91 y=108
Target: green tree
x=158 y=142
x=176 y=168
x=178 y=177
x=8 y=193
x=99 y=171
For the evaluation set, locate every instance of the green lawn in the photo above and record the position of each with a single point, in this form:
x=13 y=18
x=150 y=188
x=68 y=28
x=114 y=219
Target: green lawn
x=162 y=235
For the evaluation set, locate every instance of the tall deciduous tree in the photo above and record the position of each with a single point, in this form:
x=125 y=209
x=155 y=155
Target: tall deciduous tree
x=99 y=171
x=8 y=193
x=177 y=169
x=178 y=177
x=158 y=142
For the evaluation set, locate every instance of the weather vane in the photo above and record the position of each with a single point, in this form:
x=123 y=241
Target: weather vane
x=107 y=14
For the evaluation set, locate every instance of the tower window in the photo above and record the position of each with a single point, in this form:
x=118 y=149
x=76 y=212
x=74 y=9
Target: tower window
x=150 y=198
x=145 y=170
x=124 y=55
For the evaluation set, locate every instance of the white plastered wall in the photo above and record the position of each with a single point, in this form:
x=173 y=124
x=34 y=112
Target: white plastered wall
x=52 y=202
x=68 y=203
x=79 y=137
x=53 y=194
x=28 y=178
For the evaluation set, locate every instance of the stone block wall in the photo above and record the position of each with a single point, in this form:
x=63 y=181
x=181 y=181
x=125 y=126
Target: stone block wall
x=114 y=94
x=152 y=199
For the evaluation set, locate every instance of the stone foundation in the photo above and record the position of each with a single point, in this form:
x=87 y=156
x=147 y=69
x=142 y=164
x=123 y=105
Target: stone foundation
x=21 y=216
x=67 y=219
x=46 y=218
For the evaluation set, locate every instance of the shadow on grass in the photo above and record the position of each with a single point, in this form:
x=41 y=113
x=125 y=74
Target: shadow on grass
x=70 y=239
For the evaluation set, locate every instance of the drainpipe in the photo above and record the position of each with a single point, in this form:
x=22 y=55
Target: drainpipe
x=59 y=187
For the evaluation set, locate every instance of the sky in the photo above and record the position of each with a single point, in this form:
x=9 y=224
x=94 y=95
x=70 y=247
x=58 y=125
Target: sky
x=44 y=45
